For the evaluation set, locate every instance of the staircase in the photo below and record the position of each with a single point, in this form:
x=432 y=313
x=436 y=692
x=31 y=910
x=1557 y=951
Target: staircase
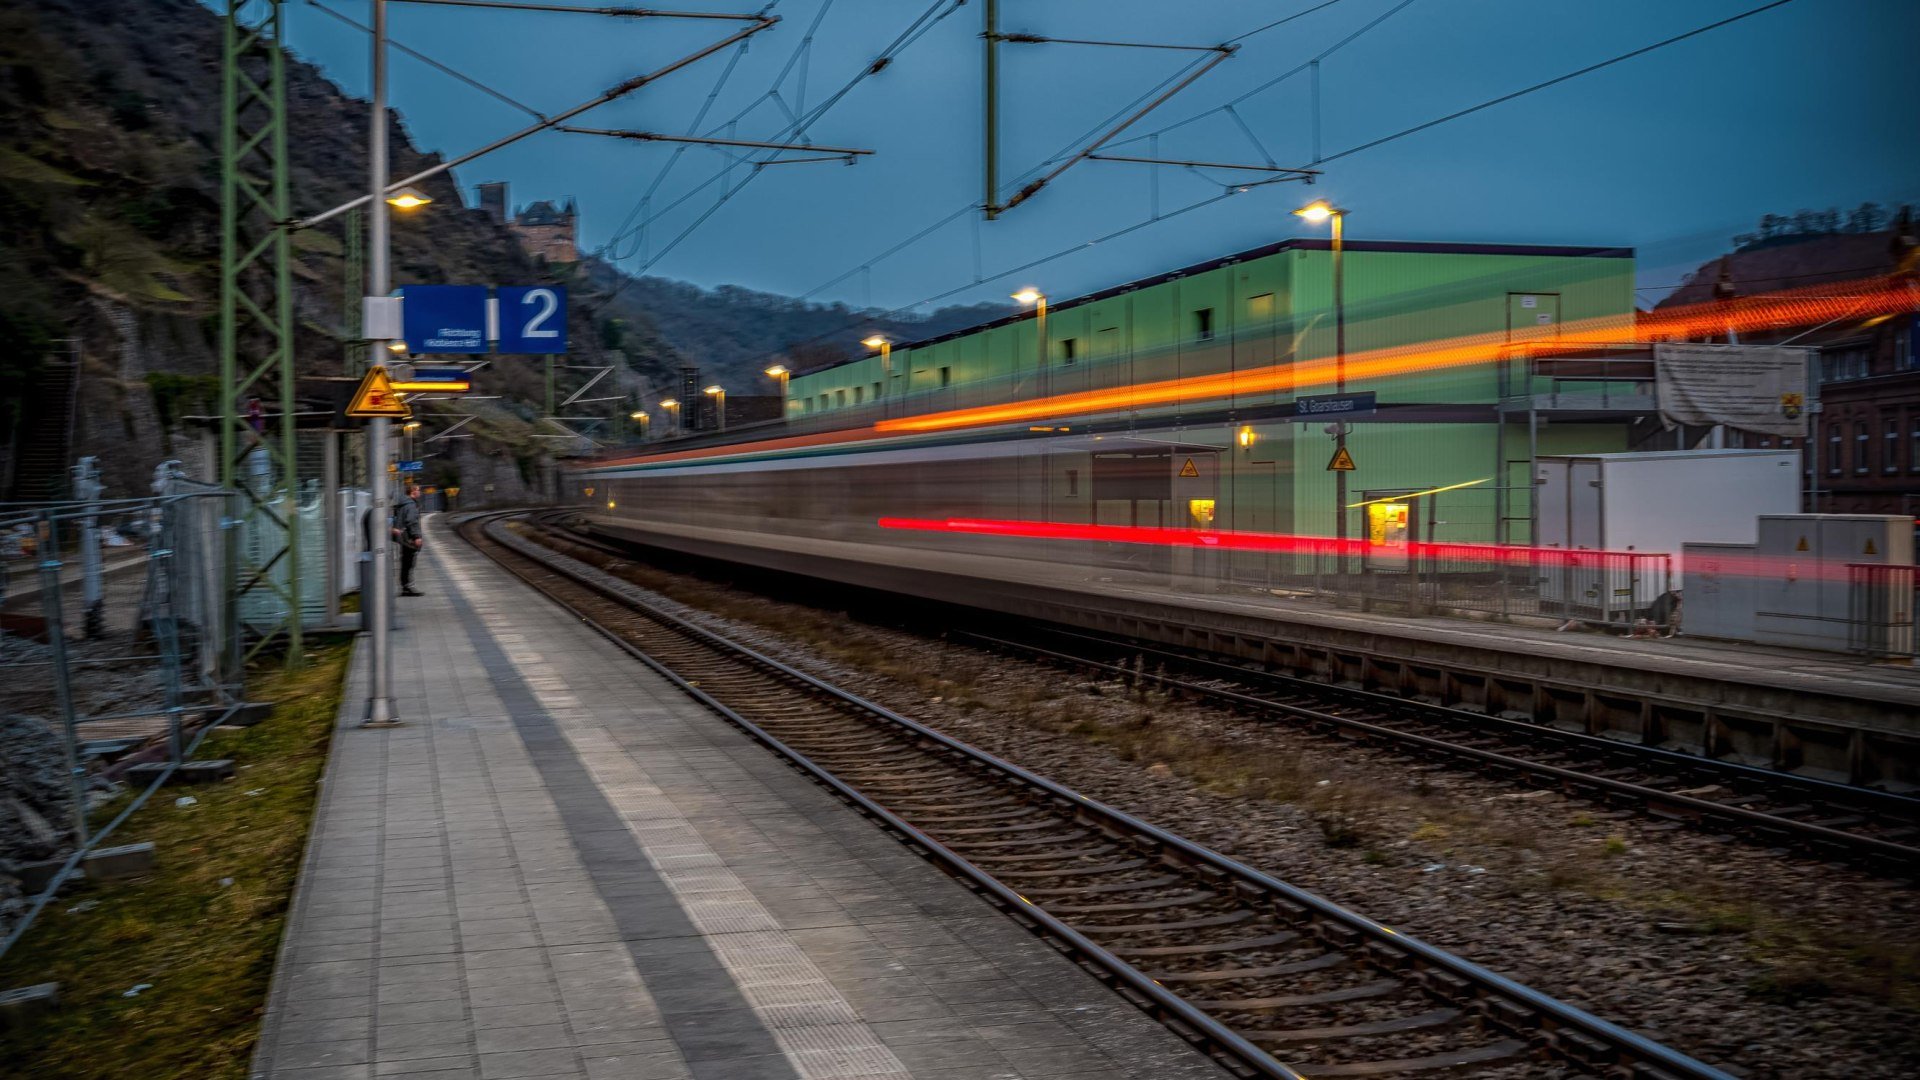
x=45 y=437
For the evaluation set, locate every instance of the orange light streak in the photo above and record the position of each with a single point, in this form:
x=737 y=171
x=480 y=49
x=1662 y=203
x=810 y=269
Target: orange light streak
x=1863 y=299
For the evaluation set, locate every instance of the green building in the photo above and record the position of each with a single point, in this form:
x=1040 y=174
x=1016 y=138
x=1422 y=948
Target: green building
x=1201 y=373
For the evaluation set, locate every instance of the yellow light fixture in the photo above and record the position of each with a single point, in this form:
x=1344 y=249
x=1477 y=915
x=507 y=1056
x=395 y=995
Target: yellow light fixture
x=396 y=346
x=637 y=414
x=1248 y=437
x=714 y=389
x=669 y=403
x=411 y=425
x=777 y=370
x=1029 y=295
x=874 y=342
x=409 y=198
x=1316 y=211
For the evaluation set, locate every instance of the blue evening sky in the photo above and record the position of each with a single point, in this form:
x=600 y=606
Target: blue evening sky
x=1813 y=104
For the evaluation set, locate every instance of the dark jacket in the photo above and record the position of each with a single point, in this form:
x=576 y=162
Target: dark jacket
x=406 y=519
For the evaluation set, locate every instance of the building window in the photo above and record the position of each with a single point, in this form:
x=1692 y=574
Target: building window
x=1840 y=365
x=1106 y=343
x=946 y=376
x=809 y=405
x=1833 y=450
x=859 y=394
x=1890 y=450
x=1260 y=309
x=1861 y=447
x=823 y=403
x=1068 y=349
x=1913 y=442
x=1766 y=443
x=1904 y=355
x=1203 y=324
x=1073 y=481
x=876 y=391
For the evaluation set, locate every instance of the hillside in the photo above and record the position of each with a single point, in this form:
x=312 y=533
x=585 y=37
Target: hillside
x=109 y=253
x=734 y=333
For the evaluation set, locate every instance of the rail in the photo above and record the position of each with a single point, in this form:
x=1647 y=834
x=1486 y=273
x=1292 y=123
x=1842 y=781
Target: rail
x=1575 y=1034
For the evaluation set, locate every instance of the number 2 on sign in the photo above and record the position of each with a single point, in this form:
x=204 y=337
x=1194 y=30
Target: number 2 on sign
x=549 y=303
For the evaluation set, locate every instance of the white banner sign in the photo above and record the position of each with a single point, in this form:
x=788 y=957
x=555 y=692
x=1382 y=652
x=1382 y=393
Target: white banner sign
x=1758 y=388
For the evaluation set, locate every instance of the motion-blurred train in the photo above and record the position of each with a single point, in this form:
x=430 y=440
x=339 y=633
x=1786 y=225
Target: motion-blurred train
x=1218 y=427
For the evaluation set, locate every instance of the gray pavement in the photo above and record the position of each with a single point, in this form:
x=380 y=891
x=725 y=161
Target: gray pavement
x=561 y=867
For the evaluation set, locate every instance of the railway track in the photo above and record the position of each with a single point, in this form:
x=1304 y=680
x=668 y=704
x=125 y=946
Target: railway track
x=1270 y=979
x=1876 y=830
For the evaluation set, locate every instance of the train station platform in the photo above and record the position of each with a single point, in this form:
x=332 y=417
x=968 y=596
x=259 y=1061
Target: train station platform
x=562 y=867
x=1835 y=716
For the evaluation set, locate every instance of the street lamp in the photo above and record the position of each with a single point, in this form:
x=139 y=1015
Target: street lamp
x=409 y=198
x=639 y=416
x=1038 y=299
x=1317 y=211
x=719 y=396
x=672 y=405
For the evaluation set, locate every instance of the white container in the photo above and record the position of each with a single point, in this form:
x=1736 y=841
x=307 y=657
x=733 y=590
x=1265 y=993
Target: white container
x=1658 y=501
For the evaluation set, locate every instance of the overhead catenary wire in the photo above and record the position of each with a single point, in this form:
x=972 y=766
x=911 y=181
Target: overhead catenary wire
x=916 y=30
x=1588 y=70
x=444 y=69
x=1064 y=252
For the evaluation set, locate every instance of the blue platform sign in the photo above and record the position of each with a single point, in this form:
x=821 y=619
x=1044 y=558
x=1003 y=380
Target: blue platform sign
x=444 y=318
x=1306 y=408
x=533 y=319
x=413 y=466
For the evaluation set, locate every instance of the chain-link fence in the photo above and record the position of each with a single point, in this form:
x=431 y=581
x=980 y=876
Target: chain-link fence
x=119 y=651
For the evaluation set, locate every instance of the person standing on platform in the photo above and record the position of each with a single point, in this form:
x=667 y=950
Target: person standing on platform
x=406 y=533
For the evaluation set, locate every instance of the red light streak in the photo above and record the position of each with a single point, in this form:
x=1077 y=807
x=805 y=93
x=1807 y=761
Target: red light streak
x=1459 y=555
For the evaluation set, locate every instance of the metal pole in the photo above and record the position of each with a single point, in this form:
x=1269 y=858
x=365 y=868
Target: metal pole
x=52 y=602
x=330 y=521
x=1340 y=380
x=377 y=589
x=992 y=125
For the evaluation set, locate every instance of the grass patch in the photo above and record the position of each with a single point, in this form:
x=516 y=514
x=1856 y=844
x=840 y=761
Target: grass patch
x=207 y=949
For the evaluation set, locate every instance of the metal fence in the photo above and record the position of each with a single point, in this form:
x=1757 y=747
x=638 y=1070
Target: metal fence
x=119 y=650
x=1880 y=606
x=1624 y=589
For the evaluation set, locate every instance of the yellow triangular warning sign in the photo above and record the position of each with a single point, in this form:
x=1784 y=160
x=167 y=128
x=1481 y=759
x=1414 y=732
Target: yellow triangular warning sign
x=1188 y=469
x=1342 y=461
x=1871 y=550
x=375 y=397
x=1802 y=545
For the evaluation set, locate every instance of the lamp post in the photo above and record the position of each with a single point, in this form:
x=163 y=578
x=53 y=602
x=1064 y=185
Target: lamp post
x=780 y=374
x=1038 y=299
x=719 y=395
x=1317 y=211
x=876 y=341
x=639 y=416
x=672 y=406
x=377 y=586
x=1031 y=295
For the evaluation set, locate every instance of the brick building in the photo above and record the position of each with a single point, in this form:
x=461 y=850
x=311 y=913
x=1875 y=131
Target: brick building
x=549 y=232
x=1865 y=457
x=544 y=230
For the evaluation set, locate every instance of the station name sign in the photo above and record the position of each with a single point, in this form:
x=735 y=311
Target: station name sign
x=1334 y=405
x=518 y=319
